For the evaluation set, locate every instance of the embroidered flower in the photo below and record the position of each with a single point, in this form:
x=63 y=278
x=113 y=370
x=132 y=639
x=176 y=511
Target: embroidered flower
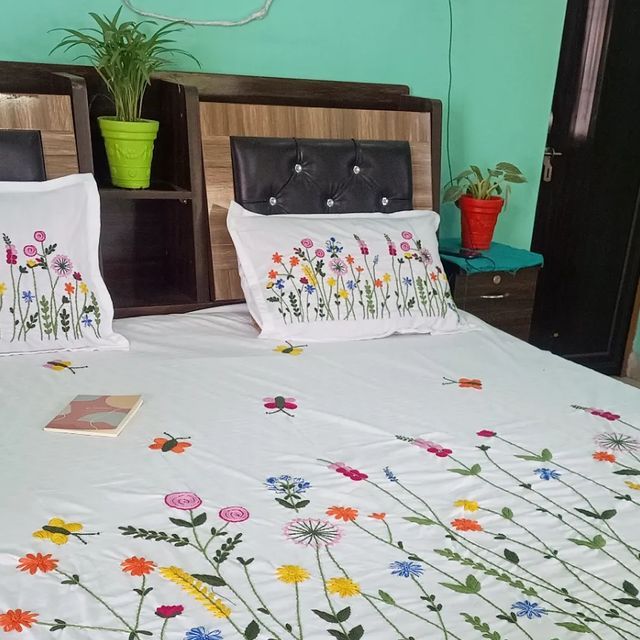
x=137 y=566
x=407 y=235
x=425 y=257
x=364 y=250
x=286 y=484
x=69 y=288
x=486 y=433
x=309 y=288
x=604 y=456
x=348 y=514
x=377 y=516
x=347 y=471
x=292 y=574
x=58 y=531
x=331 y=282
x=312 y=532
x=62 y=266
x=307 y=243
x=77 y=276
x=183 y=500
x=617 y=442
x=351 y=285
x=547 y=474
x=528 y=609
x=465 y=524
x=294 y=261
x=279 y=284
x=37 y=562
x=359 y=269
x=3 y=288
x=386 y=278
x=32 y=264
x=432 y=447
x=273 y=274
x=277 y=258
x=406 y=569
x=200 y=633
x=86 y=321
x=84 y=289
x=338 y=267
x=233 y=514
x=391 y=477
x=343 y=587
x=433 y=276
x=30 y=251
x=467 y=505
x=11 y=256
x=377 y=283
x=320 y=253
x=27 y=296
x=607 y=415
x=407 y=281
x=343 y=293
x=167 y=611
x=16 y=619
x=350 y=259
x=333 y=247
x=405 y=246
x=392 y=249
x=39 y=236
x=633 y=485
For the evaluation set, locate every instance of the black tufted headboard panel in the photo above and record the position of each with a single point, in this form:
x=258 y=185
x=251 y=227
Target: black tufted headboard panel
x=293 y=175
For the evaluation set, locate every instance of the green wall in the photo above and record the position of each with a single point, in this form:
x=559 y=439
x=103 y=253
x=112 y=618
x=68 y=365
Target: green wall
x=504 y=63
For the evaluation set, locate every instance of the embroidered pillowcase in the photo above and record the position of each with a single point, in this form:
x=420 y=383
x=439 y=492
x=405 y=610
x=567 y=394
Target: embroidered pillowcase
x=342 y=276
x=52 y=296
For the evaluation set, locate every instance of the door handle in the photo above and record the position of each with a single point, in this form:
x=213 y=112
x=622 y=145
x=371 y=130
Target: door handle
x=547 y=165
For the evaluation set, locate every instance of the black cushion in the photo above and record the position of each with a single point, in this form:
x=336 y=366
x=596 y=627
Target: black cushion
x=21 y=156
x=292 y=175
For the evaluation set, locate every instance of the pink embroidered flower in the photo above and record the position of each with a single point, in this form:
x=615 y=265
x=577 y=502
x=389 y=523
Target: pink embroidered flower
x=30 y=250
x=364 y=250
x=169 y=610
x=62 y=266
x=307 y=243
x=391 y=246
x=304 y=280
x=407 y=235
x=607 y=415
x=338 y=266
x=319 y=253
x=432 y=447
x=405 y=246
x=348 y=472
x=184 y=500
x=233 y=514
x=39 y=236
x=486 y=433
x=425 y=258
x=12 y=254
x=77 y=275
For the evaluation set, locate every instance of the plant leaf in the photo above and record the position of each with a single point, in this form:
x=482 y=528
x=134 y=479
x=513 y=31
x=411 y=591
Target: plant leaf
x=416 y=520
x=511 y=556
x=252 y=631
x=385 y=597
x=214 y=581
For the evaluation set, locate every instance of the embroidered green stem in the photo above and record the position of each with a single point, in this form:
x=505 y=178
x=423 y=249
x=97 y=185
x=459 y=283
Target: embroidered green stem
x=326 y=593
x=164 y=626
x=142 y=597
x=437 y=611
x=35 y=293
x=81 y=626
x=298 y=617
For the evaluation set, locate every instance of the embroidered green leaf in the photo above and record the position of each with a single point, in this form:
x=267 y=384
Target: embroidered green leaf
x=214 y=581
x=507 y=513
x=511 y=556
x=356 y=633
x=252 y=631
x=199 y=519
x=327 y=617
x=598 y=542
x=471 y=471
x=628 y=472
x=181 y=523
x=343 y=614
x=385 y=597
x=416 y=520
x=337 y=634
x=630 y=588
x=608 y=514
x=574 y=626
x=483 y=627
x=634 y=602
x=471 y=585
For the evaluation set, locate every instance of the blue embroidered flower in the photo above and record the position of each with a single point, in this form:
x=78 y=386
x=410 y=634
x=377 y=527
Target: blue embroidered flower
x=547 y=474
x=407 y=281
x=390 y=475
x=406 y=569
x=87 y=321
x=200 y=633
x=279 y=284
x=309 y=288
x=287 y=484
x=27 y=296
x=333 y=247
x=351 y=285
x=529 y=609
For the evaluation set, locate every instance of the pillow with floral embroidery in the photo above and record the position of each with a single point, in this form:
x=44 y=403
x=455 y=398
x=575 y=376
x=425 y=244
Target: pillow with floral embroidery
x=52 y=296
x=342 y=276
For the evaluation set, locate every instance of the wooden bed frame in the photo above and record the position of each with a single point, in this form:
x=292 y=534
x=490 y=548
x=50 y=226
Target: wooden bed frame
x=214 y=108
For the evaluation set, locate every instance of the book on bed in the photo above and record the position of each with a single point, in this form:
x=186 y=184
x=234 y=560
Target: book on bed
x=96 y=415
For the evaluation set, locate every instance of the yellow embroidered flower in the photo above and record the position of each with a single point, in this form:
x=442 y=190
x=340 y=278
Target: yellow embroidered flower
x=58 y=531
x=331 y=282
x=292 y=574
x=633 y=485
x=308 y=271
x=467 y=505
x=84 y=288
x=31 y=263
x=408 y=255
x=269 y=285
x=343 y=293
x=386 y=277
x=343 y=587
x=3 y=288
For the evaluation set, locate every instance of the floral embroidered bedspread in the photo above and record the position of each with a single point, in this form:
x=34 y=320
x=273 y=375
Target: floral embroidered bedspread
x=450 y=487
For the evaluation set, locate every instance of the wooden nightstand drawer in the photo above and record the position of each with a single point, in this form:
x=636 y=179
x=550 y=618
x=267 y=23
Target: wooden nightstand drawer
x=501 y=298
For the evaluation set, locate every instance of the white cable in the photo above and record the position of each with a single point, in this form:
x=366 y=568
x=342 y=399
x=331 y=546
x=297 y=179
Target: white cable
x=256 y=15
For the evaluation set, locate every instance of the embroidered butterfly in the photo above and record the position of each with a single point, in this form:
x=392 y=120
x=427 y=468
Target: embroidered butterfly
x=280 y=404
x=288 y=348
x=62 y=365
x=170 y=443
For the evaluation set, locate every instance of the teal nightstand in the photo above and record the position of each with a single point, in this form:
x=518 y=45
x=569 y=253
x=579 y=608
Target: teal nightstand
x=499 y=287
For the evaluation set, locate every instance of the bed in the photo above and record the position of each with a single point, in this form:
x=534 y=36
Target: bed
x=419 y=486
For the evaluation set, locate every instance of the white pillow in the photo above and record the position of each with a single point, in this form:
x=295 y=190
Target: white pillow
x=342 y=276
x=52 y=296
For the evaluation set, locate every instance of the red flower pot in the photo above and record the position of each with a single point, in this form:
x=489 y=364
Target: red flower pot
x=479 y=219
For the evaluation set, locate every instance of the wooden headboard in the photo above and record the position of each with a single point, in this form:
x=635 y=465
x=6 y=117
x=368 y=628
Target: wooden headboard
x=307 y=109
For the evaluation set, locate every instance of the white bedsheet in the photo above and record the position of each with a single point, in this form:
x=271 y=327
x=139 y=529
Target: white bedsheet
x=204 y=377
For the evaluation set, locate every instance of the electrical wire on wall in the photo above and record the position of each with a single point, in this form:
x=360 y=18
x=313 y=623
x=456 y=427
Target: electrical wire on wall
x=450 y=85
x=259 y=14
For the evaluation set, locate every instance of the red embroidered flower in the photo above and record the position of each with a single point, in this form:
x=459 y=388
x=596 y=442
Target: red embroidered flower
x=607 y=415
x=294 y=261
x=378 y=283
x=137 y=566
x=15 y=619
x=69 y=288
x=350 y=259
x=432 y=447
x=77 y=275
x=348 y=514
x=378 y=516
x=486 y=433
x=169 y=610
x=465 y=524
x=304 y=280
x=348 y=472
x=12 y=258
x=273 y=274
x=433 y=276
x=604 y=456
x=37 y=562
x=277 y=258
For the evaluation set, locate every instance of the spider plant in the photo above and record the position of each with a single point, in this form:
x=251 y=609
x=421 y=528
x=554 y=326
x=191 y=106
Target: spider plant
x=496 y=182
x=125 y=57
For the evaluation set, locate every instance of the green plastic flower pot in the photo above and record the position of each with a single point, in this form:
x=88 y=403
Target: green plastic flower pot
x=129 y=148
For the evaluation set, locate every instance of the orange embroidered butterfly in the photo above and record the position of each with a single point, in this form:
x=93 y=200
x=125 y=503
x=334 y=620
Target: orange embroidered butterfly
x=170 y=444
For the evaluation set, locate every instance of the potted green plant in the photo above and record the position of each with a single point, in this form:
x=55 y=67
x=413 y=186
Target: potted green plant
x=481 y=199
x=125 y=57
